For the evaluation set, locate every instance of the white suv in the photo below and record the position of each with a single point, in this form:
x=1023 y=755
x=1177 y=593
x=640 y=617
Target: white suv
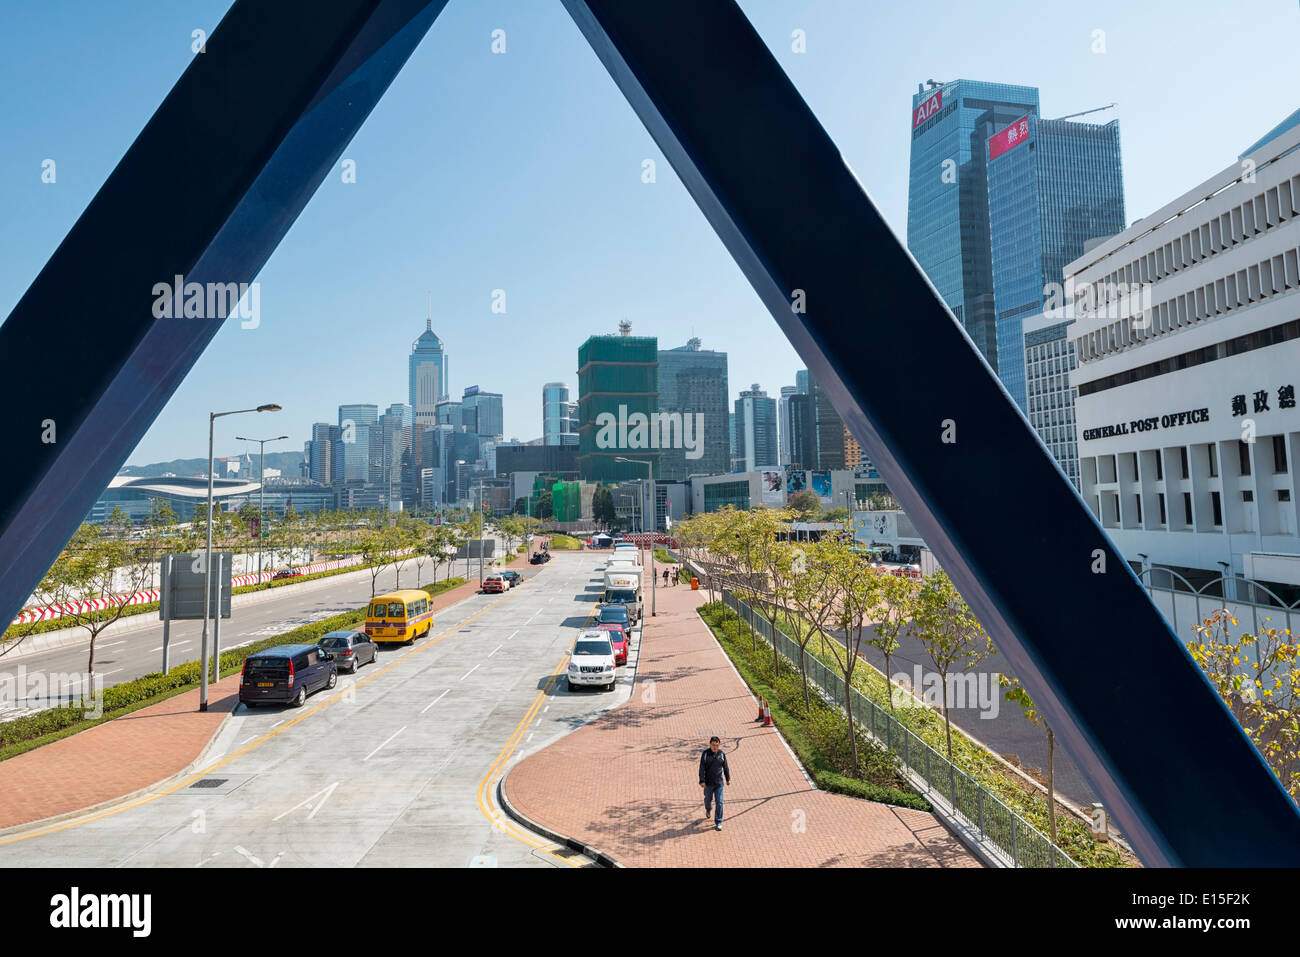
x=592 y=661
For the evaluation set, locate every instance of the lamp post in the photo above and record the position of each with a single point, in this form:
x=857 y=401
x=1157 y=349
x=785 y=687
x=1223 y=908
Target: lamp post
x=650 y=477
x=261 y=492
x=207 y=566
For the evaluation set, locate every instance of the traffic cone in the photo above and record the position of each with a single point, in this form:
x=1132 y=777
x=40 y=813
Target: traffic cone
x=767 y=715
x=761 y=702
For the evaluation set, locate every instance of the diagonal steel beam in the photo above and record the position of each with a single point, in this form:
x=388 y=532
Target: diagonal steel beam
x=206 y=191
x=1116 y=685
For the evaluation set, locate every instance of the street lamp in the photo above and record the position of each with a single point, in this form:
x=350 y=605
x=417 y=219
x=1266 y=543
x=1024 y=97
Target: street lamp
x=207 y=568
x=261 y=492
x=650 y=476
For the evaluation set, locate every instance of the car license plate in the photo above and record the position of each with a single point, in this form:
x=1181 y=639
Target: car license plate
x=266 y=684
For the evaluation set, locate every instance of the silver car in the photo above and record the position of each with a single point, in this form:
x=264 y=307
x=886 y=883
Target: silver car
x=351 y=649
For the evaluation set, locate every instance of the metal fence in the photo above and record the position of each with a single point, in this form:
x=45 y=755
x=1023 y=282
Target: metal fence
x=1004 y=833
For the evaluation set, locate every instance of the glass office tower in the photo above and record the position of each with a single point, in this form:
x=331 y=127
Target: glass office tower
x=947 y=200
x=618 y=375
x=1052 y=186
x=693 y=382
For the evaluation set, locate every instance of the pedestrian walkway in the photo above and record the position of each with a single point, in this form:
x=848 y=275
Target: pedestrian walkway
x=627 y=783
x=128 y=754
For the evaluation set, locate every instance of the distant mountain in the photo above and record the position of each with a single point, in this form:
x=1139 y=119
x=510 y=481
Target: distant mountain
x=287 y=462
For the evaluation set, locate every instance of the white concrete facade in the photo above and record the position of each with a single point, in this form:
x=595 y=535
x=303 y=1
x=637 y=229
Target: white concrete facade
x=1187 y=333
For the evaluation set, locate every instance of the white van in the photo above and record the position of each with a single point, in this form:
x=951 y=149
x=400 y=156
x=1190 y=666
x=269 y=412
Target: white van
x=623 y=586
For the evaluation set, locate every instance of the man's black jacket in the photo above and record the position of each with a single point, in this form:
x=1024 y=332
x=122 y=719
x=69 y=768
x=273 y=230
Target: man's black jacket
x=713 y=768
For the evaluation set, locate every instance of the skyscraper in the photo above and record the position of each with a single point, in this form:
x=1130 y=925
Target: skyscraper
x=355 y=423
x=324 y=442
x=756 y=439
x=693 y=382
x=618 y=380
x=1052 y=186
x=482 y=413
x=947 y=200
x=428 y=374
x=783 y=421
x=555 y=414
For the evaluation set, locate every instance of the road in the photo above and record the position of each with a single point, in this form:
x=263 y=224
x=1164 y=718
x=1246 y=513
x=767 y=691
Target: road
x=396 y=766
x=133 y=646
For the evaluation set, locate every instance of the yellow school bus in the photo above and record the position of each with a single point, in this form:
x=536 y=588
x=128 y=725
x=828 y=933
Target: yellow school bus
x=399 y=616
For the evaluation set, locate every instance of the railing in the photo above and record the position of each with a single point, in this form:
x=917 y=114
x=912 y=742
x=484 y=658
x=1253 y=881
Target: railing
x=1000 y=831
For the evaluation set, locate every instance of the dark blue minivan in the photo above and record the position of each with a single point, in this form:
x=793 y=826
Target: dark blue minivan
x=286 y=674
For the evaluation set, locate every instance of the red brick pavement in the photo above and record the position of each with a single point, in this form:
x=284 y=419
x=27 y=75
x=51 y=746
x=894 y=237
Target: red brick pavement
x=627 y=783
x=127 y=754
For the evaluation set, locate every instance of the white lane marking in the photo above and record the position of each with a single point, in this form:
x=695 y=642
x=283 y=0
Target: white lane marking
x=278 y=723
x=494 y=651
x=433 y=702
x=515 y=632
x=114 y=644
x=324 y=795
x=175 y=644
x=530 y=736
x=546 y=709
x=381 y=747
x=534 y=615
x=470 y=672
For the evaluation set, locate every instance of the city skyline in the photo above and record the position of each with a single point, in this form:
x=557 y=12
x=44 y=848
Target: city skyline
x=337 y=300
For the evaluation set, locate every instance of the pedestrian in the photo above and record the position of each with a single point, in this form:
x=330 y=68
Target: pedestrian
x=665 y=578
x=713 y=771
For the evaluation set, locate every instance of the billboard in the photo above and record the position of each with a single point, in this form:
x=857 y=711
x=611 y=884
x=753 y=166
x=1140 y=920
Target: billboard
x=821 y=485
x=927 y=109
x=1010 y=138
x=796 y=480
x=773 y=487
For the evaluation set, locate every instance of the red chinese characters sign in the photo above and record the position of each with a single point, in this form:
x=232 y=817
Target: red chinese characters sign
x=1007 y=139
x=927 y=109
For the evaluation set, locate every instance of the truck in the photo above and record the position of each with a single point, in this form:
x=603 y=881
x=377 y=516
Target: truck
x=626 y=553
x=623 y=586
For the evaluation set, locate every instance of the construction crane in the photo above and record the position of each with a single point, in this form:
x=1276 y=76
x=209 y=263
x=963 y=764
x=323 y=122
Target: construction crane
x=1071 y=116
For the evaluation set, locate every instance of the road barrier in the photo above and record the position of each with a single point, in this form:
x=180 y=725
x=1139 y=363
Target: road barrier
x=1001 y=833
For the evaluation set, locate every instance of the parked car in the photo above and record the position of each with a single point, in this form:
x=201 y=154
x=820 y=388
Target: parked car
x=512 y=576
x=618 y=637
x=351 y=649
x=286 y=573
x=495 y=584
x=592 y=661
x=614 y=612
x=286 y=674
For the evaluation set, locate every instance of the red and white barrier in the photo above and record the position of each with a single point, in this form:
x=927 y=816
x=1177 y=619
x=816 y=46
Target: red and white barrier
x=50 y=612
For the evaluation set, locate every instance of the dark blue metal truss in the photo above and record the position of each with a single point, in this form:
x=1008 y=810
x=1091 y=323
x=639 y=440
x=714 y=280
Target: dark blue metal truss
x=1123 y=697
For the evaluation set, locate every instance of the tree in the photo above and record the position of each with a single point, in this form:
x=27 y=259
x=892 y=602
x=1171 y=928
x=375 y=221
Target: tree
x=806 y=505
x=421 y=535
x=602 y=506
x=951 y=634
x=1257 y=677
x=398 y=542
x=855 y=587
x=97 y=561
x=809 y=604
x=840 y=514
x=896 y=598
x=544 y=509
x=373 y=548
x=1015 y=692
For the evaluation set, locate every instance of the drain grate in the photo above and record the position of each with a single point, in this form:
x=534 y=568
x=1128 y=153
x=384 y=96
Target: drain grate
x=210 y=783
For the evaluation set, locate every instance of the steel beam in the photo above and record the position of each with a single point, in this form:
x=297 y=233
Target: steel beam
x=206 y=191
x=1118 y=688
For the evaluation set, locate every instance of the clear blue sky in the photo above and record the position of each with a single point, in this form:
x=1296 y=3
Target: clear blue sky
x=522 y=172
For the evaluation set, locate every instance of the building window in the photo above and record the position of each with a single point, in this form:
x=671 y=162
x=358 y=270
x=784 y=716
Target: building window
x=1160 y=467
x=1187 y=508
x=1284 y=495
x=1279 y=453
x=1247 y=495
x=1214 y=461
x=1138 y=500
x=1217 y=502
x=1243 y=457
x=1160 y=497
x=1183 y=456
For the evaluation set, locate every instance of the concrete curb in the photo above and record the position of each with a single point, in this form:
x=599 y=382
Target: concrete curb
x=203 y=758
x=600 y=857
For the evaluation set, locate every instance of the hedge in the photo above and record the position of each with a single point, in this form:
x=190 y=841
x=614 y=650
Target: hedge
x=31 y=731
x=818 y=736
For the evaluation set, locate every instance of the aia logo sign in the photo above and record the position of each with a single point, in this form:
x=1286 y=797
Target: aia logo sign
x=927 y=109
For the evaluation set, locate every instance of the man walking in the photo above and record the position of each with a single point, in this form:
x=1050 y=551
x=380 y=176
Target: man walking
x=713 y=771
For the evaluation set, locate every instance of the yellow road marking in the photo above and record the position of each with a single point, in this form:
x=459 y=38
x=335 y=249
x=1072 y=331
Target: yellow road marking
x=256 y=743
